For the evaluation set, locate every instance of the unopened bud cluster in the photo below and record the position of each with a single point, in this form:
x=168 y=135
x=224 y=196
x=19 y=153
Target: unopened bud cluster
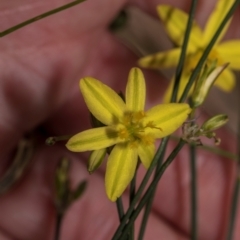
x=192 y=132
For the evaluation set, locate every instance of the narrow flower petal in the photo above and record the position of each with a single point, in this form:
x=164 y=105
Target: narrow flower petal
x=164 y=59
x=168 y=93
x=230 y=52
x=121 y=167
x=167 y=118
x=146 y=154
x=135 y=90
x=92 y=139
x=215 y=19
x=226 y=81
x=104 y=103
x=175 y=22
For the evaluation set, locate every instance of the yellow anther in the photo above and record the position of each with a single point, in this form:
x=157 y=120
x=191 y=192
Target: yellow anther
x=123 y=133
x=134 y=129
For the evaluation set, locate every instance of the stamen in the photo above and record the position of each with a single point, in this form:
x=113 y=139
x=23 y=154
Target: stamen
x=123 y=133
x=152 y=125
x=134 y=129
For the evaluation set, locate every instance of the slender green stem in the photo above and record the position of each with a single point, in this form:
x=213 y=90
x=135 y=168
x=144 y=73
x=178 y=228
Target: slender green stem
x=180 y=65
x=146 y=214
x=233 y=211
x=41 y=16
x=207 y=51
x=235 y=196
x=194 y=230
x=149 y=203
x=131 y=197
x=120 y=208
x=218 y=151
x=143 y=183
x=132 y=189
x=123 y=228
x=59 y=218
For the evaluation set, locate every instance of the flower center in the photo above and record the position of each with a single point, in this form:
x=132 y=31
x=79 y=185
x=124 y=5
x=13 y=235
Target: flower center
x=134 y=130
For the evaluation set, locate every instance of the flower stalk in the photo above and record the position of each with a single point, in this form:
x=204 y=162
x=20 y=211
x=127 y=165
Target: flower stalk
x=41 y=16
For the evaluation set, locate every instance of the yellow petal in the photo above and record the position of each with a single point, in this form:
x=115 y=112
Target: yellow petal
x=96 y=159
x=146 y=153
x=167 y=118
x=175 y=22
x=92 y=139
x=168 y=93
x=226 y=81
x=215 y=20
x=135 y=90
x=230 y=52
x=165 y=59
x=104 y=103
x=121 y=167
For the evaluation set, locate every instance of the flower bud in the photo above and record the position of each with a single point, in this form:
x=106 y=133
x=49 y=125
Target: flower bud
x=64 y=195
x=214 y=123
x=62 y=184
x=202 y=89
x=75 y=194
x=96 y=159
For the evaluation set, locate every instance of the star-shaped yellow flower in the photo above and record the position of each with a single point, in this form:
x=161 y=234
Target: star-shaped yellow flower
x=175 y=22
x=132 y=130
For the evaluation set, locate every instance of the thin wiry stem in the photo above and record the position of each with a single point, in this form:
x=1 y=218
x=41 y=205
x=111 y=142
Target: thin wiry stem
x=235 y=197
x=194 y=229
x=234 y=207
x=59 y=217
x=180 y=65
x=131 y=197
x=41 y=16
x=218 y=151
x=120 y=208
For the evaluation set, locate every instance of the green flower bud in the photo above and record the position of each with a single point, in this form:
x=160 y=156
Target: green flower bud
x=214 y=123
x=96 y=159
x=62 y=184
x=74 y=195
x=203 y=87
x=64 y=195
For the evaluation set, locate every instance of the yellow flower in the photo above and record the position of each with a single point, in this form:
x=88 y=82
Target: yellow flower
x=132 y=130
x=175 y=22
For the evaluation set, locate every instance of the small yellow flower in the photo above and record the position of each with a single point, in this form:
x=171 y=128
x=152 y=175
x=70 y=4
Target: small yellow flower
x=175 y=22
x=132 y=130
